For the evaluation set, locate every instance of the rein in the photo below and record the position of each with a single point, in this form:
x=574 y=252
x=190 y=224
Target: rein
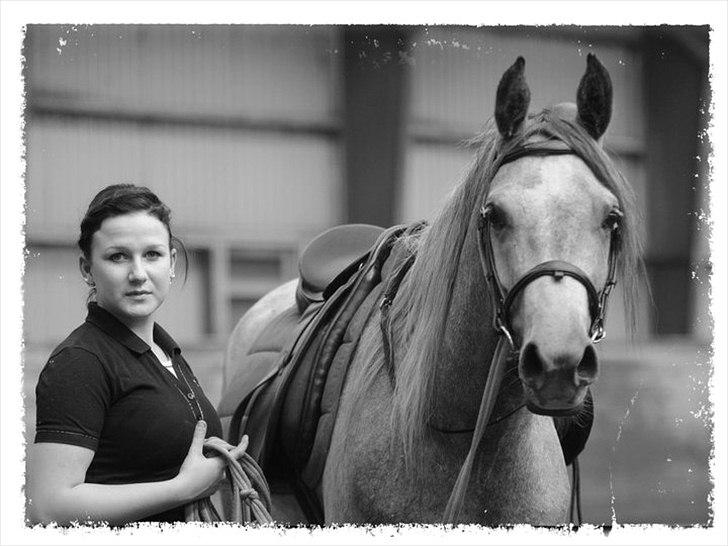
x=251 y=495
x=502 y=301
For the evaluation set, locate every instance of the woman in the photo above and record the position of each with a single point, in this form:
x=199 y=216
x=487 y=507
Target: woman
x=121 y=419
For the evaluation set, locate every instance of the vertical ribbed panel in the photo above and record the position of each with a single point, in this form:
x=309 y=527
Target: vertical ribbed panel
x=287 y=72
x=215 y=181
x=456 y=71
x=432 y=173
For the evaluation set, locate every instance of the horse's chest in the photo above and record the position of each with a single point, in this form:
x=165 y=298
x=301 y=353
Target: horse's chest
x=519 y=477
x=522 y=477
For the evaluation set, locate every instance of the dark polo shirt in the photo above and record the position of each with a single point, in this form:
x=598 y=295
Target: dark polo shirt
x=104 y=389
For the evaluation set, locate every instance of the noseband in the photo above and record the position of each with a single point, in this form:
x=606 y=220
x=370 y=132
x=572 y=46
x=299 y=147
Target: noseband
x=502 y=299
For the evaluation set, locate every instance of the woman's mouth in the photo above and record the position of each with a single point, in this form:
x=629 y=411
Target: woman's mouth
x=137 y=293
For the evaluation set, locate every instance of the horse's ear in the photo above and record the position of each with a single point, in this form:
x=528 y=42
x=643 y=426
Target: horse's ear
x=511 y=99
x=594 y=98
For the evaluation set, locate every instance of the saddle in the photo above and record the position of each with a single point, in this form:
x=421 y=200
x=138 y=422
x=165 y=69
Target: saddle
x=287 y=404
x=286 y=397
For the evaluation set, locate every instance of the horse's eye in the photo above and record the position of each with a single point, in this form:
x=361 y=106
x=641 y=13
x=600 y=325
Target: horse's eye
x=495 y=217
x=613 y=221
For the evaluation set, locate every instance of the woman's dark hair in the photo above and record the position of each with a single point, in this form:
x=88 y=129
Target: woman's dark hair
x=121 y=199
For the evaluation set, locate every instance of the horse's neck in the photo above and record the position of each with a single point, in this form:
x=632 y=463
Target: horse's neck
x=468 y=348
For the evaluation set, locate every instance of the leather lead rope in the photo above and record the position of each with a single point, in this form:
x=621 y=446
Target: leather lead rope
x=575 y=502
x=251 y=495
x=490 y=393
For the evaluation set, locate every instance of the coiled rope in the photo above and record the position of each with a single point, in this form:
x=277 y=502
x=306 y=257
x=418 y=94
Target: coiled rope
x=251 y=494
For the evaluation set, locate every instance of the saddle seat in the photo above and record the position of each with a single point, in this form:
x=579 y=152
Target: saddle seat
x=331 y=258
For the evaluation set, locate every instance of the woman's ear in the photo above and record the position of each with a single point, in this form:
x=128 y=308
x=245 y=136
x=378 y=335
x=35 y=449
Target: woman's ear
x=172 y=261
x=85 y=266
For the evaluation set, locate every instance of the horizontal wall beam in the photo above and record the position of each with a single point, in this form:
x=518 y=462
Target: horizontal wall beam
x=59 y=109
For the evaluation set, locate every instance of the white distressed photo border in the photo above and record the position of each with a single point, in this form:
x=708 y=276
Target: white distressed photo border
x=15 y=15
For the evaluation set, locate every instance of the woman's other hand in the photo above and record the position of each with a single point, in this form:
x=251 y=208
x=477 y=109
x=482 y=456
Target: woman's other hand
x=199 y=476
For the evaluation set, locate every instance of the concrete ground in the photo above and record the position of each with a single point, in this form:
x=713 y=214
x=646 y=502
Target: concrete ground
x=647 y=460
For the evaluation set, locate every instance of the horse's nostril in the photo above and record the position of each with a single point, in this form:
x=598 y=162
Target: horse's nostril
x=586 y=371
x=532 y=367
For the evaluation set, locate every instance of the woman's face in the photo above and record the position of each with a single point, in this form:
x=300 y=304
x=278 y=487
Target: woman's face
x=131 y=265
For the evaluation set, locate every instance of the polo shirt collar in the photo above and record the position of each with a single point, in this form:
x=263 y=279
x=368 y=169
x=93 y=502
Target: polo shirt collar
x=165 y=341
x=107 y=322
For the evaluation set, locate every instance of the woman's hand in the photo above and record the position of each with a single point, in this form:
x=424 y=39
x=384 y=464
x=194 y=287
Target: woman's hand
x=199 y=476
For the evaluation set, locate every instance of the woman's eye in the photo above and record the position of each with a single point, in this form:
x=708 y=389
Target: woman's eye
x=153 y=254
x=117 y=257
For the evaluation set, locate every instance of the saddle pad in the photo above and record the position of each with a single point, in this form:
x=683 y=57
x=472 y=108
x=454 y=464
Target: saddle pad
x=261 y=361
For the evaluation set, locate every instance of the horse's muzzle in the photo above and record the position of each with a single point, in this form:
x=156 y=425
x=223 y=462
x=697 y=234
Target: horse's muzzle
x=556 y=385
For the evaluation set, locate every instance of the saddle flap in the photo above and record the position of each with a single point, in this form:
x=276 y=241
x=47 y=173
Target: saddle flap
x=259 y=367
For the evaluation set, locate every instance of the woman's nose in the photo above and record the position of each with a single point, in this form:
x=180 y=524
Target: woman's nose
x=137 y=272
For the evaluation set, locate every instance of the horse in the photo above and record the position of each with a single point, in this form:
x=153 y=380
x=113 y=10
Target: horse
x=462 y=384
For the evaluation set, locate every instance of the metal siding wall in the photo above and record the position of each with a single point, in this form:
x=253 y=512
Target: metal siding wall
x=259 y=71
x=54 y=293
x=432 y=172
x=456 y=71
x=214 y=180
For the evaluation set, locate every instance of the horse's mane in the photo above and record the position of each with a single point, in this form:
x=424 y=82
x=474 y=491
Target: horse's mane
x=421 y=308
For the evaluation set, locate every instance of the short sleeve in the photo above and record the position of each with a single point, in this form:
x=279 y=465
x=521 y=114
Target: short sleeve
x=72 y=397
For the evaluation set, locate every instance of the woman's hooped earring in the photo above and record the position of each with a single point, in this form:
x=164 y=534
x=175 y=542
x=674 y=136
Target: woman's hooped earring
x=90 y=283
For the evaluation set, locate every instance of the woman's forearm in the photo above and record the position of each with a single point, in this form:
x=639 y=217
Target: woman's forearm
x=115 y=504
x=59 y=493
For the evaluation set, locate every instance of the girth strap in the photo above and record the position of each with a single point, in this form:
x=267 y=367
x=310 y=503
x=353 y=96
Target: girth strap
x=389 y=292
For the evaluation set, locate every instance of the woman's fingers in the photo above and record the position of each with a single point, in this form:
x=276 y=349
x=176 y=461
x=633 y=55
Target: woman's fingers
x=239 y=449
x=214 y=443
x=198 y=437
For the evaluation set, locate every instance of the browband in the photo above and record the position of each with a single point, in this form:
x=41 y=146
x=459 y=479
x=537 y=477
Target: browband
x=551 y=146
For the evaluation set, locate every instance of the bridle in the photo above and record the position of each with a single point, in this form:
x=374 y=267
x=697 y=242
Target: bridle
x=502 y=299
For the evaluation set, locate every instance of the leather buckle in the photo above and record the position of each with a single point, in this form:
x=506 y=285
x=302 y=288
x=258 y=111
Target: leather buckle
x=598 y=332
x=503 y=330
